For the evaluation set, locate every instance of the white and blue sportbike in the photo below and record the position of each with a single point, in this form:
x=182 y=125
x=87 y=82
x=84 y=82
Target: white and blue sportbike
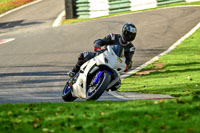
x=95 y=76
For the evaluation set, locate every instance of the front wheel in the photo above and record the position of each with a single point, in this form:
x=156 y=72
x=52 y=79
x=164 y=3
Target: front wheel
x=96 y=90
x=67 y=94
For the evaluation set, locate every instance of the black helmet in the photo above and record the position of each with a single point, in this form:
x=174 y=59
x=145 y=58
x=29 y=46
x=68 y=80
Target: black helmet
x=128 y=32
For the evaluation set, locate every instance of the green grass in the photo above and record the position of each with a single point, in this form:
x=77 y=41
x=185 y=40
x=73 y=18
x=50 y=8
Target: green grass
x=71 y=21
x=133 y=116
x=176 y=74
x=6 y=5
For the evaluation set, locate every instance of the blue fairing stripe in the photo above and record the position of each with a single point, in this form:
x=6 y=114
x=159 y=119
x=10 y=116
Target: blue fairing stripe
x=99 y=75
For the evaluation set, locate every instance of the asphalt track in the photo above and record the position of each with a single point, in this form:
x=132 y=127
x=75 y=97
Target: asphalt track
x=33 y=67
x=36 y=16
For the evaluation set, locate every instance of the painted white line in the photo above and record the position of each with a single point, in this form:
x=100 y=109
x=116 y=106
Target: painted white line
x=115 y=94
x=59 y=19
x=20 y=7
x=6 y=40
x=138 y=96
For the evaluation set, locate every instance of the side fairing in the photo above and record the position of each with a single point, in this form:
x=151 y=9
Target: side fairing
x=80 y=87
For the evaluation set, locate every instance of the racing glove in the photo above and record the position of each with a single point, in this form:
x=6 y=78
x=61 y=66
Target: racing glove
x=97 y=50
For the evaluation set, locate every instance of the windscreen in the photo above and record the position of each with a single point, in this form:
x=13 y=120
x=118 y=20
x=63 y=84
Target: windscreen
x=117 y=49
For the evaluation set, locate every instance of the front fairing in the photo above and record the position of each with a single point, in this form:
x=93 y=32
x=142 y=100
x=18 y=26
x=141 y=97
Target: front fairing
x=80 y=87
x=110 y=59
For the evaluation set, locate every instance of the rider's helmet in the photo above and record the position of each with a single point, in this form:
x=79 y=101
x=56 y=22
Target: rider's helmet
x=129 y=32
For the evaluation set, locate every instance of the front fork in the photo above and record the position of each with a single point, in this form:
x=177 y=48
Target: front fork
x=114 y=80
x=72 y=80
x=100 y=74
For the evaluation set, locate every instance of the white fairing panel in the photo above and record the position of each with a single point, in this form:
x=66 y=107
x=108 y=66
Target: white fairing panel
x=113 y=60
x=79 y=88
x=108 y=58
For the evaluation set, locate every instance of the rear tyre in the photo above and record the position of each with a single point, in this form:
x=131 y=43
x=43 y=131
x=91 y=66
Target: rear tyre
x=96 y=90
x=67 y=94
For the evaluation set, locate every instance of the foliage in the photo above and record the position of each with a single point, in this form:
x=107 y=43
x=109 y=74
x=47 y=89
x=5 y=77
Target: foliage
x=6 y=5
x=181 y=115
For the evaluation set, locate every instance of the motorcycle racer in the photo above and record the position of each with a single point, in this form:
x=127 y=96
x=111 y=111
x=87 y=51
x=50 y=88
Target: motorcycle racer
x=125 y=48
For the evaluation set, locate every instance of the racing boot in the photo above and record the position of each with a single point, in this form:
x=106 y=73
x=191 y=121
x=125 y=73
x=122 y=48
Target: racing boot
x=73 y=72
x=82 y=58
x=76 y=68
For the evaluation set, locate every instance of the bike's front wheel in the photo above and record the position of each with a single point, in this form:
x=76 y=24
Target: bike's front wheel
x=95 y=90
x=67 y=94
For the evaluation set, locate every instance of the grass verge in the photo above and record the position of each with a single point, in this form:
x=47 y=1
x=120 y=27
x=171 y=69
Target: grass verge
x=176 y=73
x=71 y=21
x=98 y=117
x=6 y=5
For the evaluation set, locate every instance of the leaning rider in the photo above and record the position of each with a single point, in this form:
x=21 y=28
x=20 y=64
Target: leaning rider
x=124 y=41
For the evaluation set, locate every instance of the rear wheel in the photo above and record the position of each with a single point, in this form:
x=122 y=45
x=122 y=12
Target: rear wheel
x=67 y=94
x=95 y=90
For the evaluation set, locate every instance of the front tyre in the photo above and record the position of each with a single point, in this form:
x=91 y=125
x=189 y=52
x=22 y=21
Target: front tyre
x=96 y=90
x=67 y=94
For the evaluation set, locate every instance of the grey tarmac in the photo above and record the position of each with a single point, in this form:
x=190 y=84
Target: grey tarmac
x=33 y=67
x=34 y=17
